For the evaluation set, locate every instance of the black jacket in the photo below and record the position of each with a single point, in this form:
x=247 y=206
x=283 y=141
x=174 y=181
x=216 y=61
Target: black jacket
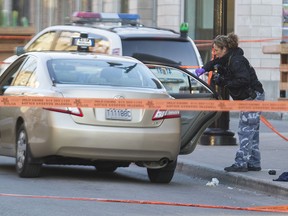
x=239 y=76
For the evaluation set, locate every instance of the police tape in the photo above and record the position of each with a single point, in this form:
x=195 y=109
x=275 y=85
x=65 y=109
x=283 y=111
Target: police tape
x=165 y=104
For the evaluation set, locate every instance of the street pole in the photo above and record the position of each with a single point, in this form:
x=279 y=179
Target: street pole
x=218 y=133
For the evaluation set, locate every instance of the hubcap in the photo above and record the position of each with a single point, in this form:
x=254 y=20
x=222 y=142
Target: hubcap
x=21 y=149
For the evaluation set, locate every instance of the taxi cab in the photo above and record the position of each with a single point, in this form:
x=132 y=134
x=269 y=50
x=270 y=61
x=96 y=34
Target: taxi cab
x=120 y=34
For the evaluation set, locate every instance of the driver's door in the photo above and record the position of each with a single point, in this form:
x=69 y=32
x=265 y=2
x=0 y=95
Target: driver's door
x=182 y=84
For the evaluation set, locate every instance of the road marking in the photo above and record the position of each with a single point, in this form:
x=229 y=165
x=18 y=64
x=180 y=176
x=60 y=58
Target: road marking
x=283 y=208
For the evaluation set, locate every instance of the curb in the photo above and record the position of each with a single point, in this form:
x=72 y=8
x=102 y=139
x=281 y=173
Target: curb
x=207 y=173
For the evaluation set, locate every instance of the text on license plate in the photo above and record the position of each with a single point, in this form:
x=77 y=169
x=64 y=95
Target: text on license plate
x=118 y=114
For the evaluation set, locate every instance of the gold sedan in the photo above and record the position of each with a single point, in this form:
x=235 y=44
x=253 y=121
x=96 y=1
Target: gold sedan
x=106 y=138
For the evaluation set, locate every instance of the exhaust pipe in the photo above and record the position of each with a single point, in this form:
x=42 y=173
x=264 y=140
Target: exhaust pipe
x=156 y=164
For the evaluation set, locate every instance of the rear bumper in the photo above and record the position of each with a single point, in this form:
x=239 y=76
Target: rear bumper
x=107 y=143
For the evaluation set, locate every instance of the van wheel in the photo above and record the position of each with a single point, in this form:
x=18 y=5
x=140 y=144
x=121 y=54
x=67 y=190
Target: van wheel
x=24 y=163
x=163 y=175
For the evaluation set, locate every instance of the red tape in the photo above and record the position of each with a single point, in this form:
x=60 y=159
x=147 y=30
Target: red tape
x=283 y=208
x=269 y=125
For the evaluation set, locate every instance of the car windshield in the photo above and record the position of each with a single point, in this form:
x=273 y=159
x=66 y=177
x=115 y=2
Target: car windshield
x=98 y=72
x=170 y=51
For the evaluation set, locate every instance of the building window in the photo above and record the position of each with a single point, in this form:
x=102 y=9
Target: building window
x=124 y=6
x=200 y=16
x=20 y=12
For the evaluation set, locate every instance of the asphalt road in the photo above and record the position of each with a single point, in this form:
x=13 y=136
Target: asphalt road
x=78 y=190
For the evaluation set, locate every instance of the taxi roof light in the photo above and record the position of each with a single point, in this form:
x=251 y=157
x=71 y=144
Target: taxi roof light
x=92 y=18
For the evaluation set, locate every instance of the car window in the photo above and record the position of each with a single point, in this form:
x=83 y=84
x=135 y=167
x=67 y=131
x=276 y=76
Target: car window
x=63 y=42
x=9 y=75
x=176 y=81
x=44 y=42
x=26 y=72
x=170 y=51
x=98 y=72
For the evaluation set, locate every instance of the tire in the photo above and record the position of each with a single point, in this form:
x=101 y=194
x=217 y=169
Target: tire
x=24 y=163
x=163 y=175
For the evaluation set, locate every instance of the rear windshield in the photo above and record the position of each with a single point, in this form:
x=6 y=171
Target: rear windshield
x=98 y=72
x=180 y=52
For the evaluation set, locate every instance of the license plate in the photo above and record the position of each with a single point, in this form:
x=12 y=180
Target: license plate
x=118 y=114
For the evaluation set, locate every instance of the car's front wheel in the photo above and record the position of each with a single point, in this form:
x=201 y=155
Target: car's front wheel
x=24 y=163
x=162 y=175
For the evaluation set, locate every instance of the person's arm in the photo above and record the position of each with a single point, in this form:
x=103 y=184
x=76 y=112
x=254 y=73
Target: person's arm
x=209 y=66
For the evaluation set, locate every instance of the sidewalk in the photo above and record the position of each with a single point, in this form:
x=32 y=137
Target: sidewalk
x=208 y=161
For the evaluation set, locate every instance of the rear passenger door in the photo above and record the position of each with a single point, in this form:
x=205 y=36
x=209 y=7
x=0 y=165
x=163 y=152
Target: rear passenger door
x=182 y=84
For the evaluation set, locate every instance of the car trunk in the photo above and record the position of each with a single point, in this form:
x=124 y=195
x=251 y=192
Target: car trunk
x=115 y=116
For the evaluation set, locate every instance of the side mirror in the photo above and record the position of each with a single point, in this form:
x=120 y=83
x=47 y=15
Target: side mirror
x=19 y=50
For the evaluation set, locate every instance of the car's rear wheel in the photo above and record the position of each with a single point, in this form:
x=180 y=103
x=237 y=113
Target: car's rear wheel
x=24 y=162
x=162 y=175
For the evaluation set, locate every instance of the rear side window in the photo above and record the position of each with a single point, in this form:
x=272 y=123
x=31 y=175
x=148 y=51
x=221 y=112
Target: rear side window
x=63 y=42
x=97 y=72
x=26 y=72
x=171 y=51
x=43 y=43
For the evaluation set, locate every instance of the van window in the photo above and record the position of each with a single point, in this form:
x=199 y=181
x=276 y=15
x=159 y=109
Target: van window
x=43 y=43
x=63 y=43
x=173 y=51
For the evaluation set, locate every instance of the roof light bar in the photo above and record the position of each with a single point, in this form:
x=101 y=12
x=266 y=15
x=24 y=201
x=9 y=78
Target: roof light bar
x=91 y=17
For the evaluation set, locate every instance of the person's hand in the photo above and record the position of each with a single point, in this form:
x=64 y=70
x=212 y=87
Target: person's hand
x=219 y=80
x=199 y=71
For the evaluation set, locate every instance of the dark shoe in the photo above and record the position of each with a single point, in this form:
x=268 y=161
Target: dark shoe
x=235 y=168
x=252 y=168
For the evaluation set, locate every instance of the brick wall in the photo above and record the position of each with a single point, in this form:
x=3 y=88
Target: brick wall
x=169 y=14
x=259 y=20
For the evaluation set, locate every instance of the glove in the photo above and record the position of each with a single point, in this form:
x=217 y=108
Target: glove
x=219 y=80
x=199 y=71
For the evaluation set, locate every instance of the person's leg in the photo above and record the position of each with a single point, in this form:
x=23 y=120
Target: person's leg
x=254 y=163
x=246 y=132
x=245 y=141
x=255 y=156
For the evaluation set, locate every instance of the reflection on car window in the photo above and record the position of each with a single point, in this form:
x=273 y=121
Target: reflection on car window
x=11 y=73
x=25 y=73
x=64 y=42
x=42 y=43
x=176 y=81
x=180 y=52
x=98 y=72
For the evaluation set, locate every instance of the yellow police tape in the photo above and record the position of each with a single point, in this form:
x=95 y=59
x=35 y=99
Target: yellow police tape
x=168 y=104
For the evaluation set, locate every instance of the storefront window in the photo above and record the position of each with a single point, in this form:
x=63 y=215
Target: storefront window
x=200 y=16
x=124 y=6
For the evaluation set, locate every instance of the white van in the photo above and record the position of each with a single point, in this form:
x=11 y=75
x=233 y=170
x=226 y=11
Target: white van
x=120 y=34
